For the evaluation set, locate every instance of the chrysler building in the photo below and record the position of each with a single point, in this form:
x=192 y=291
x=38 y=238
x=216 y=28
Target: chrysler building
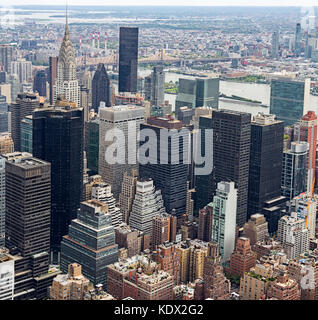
x=67 y=84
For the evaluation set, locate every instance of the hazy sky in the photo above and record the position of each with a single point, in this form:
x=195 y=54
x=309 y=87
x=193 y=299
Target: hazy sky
x=5 y=3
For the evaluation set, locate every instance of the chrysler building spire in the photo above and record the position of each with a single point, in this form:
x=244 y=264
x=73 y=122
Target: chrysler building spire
x=67 y=84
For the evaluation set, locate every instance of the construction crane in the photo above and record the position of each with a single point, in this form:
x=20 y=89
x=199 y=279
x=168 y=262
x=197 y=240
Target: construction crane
x=311 y=194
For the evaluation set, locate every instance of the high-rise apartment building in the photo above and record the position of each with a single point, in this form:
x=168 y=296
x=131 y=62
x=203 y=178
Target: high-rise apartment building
x=128 y=59
x=127 y=119
x=256 y=283
x=295 y=170
x=224 y=218
x=168 y=174
x=160 y=229
x=306 y=130
x=293 y=235
x=90 y=242
x=191 y=255
x=24 y=106
x=103 y=193
x=66 y=84
x=266 y=153
x=289 y=99
x=5 y=115
x=6 y=56
x=146 y=205
x=23 y=69
x=126 y=197
x=256 y=229
x=101 y=88
x=216 y=286
x=168 y=258
x=58 y=139
x=205 y=223
x=231 y=154
x=306 y=208
x=243 y=258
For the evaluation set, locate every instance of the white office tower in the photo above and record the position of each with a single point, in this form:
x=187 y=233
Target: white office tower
x=23 y=69
x=6 y=275
x=224 y=218
x=293 y=235
x=103 y=193
x=2 y=201
x=306 y=208
x=147 y=204
x=66 y=83
x=119 y=127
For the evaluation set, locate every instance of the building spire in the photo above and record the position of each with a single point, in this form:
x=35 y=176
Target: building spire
x=66 y=21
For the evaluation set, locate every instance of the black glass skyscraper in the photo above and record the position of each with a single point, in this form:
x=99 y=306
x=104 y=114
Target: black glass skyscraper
x=58 y=139
x=39 y=85
x=231 y=153
x=267 y=135
x=170 y=178
x=128 y=59
x=101 y=88
x=204 y=183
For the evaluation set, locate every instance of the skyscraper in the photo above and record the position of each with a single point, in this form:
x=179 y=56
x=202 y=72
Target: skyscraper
x=28 y=203
x=160 y=229
x=157 y=86
x=289 y=99
x=58 y=139
x=90 y=242
x=216 y=286
x=297 y=45
x=267 y=135
x=127 y=119
x=146 y=205
x=256 y=229
x=23 y=69
x=103 y=193
x=306 y=130
x=231 y=154
x=224 y=218
x=40 y=80
x=293 y=235
x=52 y=76
x=66 y=83
x=128 y=59
x=198 y=93
x=2 y=201
x=6 y=55
x=23 y=107
x=101 y=88
x=294 y=171
x=168 y=176
x=126 y=197
x=275 y=45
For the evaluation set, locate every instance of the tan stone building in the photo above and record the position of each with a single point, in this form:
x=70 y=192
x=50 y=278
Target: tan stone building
x=70 y=286
x=6 y=143
x=256 y=229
